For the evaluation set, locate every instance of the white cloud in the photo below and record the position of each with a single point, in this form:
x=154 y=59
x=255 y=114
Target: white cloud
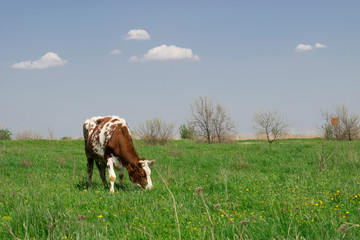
x=164 y=52
x=115 y=52
x=134 y=59
x=308 y=47
x=137 y=34
x=303 y=47
x=319 y=45
x=50 y=59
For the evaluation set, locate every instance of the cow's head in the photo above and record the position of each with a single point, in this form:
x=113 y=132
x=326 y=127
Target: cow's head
x=140 y=174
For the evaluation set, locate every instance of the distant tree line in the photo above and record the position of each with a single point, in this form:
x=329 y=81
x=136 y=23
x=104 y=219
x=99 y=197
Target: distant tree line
x=211 y=122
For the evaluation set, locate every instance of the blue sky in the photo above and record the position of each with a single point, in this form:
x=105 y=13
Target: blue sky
x=56 y=66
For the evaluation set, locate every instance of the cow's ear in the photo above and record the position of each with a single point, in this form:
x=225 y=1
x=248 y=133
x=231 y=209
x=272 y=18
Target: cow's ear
x=151 y=162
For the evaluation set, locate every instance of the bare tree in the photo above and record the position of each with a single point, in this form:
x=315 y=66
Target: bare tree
x=223 y=124
x=348 y=126
x=211 y=122
x=202 y=113
x=155 y=131
x=272 y=124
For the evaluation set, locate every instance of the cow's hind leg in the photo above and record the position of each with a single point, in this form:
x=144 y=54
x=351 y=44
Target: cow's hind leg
x=90 y=167
x=102 y=167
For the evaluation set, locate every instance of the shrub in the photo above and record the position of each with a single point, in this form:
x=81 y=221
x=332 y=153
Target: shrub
x=27 y=134
x=5 y=134
x=155 y=131
x=66 y=138
x=187 y=132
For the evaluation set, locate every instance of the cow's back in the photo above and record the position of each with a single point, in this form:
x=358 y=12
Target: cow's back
x=98 y=131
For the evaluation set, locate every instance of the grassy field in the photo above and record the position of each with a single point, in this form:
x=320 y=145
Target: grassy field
x=292 y=189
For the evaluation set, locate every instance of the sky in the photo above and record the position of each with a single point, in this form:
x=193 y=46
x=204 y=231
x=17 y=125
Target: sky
x=62 y=62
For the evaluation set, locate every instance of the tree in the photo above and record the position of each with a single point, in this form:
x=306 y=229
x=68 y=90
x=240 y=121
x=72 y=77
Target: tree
x=211 y=122
x=202 y=113
x=223 y=124
x=272 y=124
x=348 y=126
x=155 y=131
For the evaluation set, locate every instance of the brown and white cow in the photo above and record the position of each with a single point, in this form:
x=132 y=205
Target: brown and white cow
x=108 y=142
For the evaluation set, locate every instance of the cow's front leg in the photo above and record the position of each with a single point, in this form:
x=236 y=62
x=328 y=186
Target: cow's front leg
x=121 y=176
x=112 y=175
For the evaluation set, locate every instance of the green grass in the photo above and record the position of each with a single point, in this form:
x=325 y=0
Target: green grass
x=278 y=189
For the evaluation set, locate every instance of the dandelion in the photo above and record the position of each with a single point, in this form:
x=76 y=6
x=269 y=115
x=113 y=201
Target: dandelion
x=65 y=237
x=189 y=222
x=100 y=216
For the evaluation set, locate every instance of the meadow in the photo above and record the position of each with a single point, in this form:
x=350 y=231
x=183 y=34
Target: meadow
x=291 y=189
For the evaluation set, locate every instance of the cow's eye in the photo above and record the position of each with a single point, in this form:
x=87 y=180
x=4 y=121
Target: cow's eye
x=142 y=175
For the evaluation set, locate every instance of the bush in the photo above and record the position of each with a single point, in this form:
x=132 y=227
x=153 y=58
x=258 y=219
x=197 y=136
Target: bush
x=187 y=132
x=66 y=138
x=347 y=126
x=155 y=131
x=28 y=134
x=5 y=134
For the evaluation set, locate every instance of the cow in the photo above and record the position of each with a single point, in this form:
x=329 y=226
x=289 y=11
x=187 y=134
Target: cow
x=109 y=144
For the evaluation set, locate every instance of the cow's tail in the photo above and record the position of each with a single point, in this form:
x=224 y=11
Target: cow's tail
x=86 y=128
